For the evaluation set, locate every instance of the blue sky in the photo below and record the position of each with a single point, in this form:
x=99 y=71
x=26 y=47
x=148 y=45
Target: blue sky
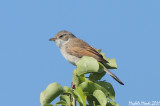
x=127 y=30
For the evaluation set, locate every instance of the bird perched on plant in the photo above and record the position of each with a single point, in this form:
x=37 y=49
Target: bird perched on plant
x=73 y=49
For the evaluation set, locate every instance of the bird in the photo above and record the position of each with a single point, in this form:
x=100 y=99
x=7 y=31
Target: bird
x=73 y=49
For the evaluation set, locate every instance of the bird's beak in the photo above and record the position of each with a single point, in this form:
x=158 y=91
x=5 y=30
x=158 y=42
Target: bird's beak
x=53 y=39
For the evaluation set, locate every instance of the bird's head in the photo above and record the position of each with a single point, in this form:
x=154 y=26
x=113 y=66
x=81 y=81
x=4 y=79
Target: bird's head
x=62 y=38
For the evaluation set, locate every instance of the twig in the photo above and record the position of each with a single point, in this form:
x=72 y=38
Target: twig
x=74 y=100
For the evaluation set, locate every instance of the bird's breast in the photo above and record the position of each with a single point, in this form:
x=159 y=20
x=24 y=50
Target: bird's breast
x=70 y=58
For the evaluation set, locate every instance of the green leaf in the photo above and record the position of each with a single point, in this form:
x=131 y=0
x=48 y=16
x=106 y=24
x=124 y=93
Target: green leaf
x=77 y=79
x=96 y=76
x=80 y=96
x=99 y=75
x=66 y=98
x=61 y=103
x=87 y=65
x=99 y=50
x=67 y=89
x=90 y=87
x=92 y=101
x=104 y=56
x=52 y=91
x=112 y=104
x=112 y=62
x=109 y=88
x=100 y=96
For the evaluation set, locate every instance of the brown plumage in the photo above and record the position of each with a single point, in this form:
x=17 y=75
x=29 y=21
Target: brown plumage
x=84 y=50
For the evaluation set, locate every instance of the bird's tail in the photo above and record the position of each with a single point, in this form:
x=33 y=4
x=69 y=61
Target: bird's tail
x=113 y=76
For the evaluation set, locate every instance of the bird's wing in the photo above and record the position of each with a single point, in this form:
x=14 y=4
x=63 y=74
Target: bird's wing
x=84 y=50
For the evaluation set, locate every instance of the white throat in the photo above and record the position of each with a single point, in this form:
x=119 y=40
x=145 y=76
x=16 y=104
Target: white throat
x=60 y=42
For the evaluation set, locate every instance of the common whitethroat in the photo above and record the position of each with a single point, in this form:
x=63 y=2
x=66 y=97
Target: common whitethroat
x=73 y=49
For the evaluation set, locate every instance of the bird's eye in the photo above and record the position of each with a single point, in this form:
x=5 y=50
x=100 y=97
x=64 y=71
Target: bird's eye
x=61 y=36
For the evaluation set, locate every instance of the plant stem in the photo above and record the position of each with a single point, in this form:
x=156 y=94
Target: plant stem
x=74 y=100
